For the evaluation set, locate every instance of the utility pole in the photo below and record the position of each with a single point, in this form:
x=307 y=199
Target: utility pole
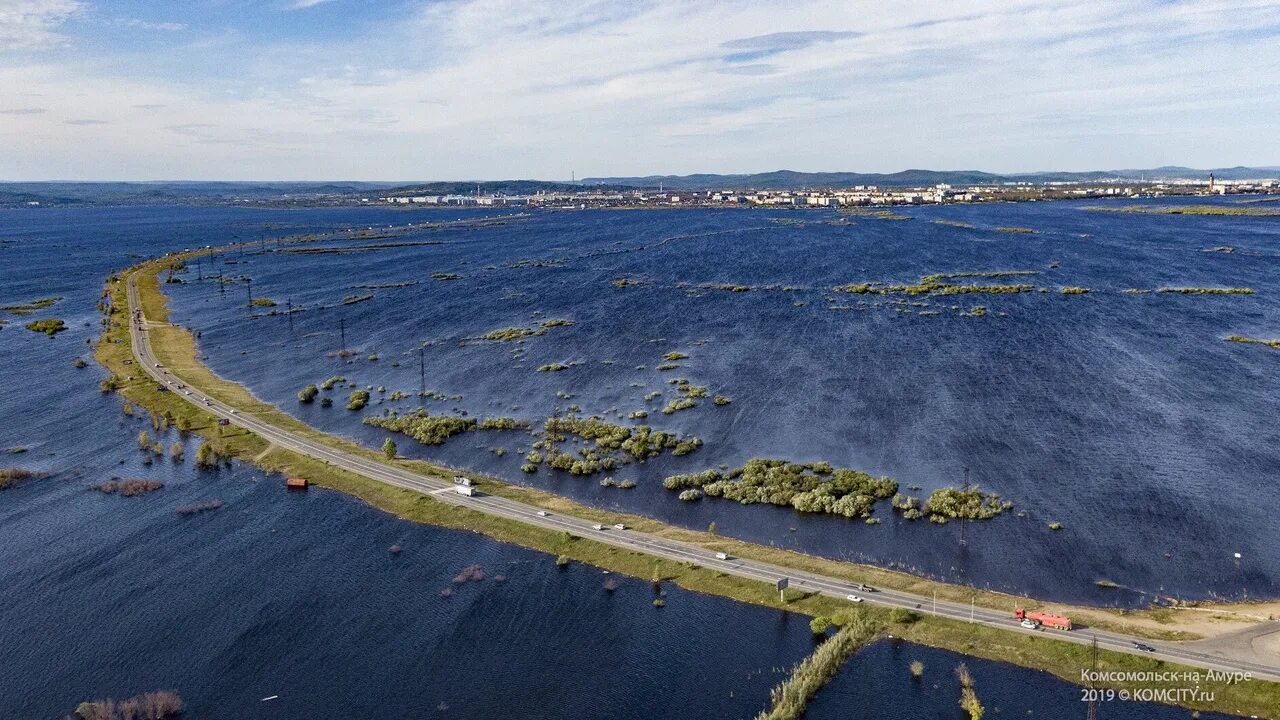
x=248 y=289
x=964 y=522
x=222 y=286
x=1093 y=696
x=422 y=371
x=199 y=274
x=288 y=304
x=935 y=602
x=342 y=331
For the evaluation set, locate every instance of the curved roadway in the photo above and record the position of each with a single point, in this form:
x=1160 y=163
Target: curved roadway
x=649 y=544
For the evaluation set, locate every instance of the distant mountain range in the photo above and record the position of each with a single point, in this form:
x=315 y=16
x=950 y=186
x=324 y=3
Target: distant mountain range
x=789 y=179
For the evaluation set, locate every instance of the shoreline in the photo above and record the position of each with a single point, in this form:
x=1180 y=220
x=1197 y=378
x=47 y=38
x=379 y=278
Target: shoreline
x=179 y=352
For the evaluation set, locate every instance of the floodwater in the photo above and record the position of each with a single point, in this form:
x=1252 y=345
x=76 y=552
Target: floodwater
x=877 y=682
x=297 y=595
x=1127 y=418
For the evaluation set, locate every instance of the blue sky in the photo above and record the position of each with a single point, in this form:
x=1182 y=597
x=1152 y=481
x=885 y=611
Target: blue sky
x=464 y=89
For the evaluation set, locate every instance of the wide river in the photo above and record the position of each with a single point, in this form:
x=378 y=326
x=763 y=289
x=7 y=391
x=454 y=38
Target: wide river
x=1126 y=418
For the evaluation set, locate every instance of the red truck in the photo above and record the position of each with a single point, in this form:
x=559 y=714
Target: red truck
x=1049 y=620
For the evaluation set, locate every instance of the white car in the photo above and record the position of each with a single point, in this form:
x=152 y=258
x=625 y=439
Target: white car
x=235 y=411
x=1029 y=624
x=542 y=513
x=853 y=598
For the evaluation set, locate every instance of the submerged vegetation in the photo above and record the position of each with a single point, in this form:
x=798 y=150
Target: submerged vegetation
x=49 y=327
x=10 y=477
x=431 y=429
x=603 y=446
x=820 y=488
x=128 y=488
x=811 y=674
x=357 y=400
x=509 y=334
x=1207 y=290
x=160 y=705
x=29 y=307
x=1245 y=210
x=308 y=394
x=1254 y=341
x=938 y=284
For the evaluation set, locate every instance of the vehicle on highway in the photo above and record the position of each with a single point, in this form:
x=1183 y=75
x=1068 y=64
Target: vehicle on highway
x=722 y=556
x=186 y=392
x=1049 y=620
x=1143 y=647
x=1029 y=624
x=619 y=526
x=597 y=526
x=853 y=598
x=159 y=365
x=235 y=411
x=542 y=513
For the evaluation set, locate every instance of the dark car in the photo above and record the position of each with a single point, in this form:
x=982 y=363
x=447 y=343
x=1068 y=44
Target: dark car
x=1144 y=647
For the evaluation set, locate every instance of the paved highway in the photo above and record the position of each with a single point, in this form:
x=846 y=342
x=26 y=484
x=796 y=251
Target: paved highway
x=648 y=544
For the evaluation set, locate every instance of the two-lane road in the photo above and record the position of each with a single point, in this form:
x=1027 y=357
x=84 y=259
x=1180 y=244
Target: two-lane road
x=640 y=542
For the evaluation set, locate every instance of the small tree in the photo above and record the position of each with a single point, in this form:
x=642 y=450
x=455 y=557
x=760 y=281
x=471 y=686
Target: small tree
x=389 y=449
x=175 y=452
x=917 y=669
x=819 y=625
x=711 y=528
x=206 y=457
x=144 y=440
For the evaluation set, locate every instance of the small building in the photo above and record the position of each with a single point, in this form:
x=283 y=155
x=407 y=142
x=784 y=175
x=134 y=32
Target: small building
x=296 y=483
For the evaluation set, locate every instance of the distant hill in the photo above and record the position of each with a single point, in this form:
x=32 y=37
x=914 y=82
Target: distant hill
x=162 y=193
x=789 y=179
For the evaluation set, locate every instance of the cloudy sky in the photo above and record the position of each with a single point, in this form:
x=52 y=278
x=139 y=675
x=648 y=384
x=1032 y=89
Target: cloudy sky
x=463 y=89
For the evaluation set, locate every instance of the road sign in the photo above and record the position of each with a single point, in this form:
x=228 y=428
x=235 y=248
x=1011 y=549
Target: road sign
x=783 y=583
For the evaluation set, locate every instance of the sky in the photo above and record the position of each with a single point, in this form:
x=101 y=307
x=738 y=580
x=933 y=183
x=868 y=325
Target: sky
x=486 y=89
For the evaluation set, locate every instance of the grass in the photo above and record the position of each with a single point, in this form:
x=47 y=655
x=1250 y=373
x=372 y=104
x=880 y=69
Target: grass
x=553 y=367
x=1016 y=230
x=1074 y=290
x=176 y=348
x=263 y=302
x=49 y=327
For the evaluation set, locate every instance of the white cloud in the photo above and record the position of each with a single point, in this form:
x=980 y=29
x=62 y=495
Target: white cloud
x=506 y=88
x=33 y=24
x=304 y=4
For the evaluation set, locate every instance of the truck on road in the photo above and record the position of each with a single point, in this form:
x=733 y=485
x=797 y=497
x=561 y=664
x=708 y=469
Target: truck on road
x=1049 y=620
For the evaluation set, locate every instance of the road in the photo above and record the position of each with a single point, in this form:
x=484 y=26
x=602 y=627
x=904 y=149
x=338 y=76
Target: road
x=648 y=544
